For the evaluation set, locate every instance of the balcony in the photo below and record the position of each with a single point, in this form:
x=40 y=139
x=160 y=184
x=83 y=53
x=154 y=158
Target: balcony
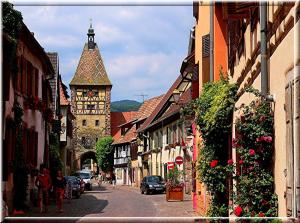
x=121 y=160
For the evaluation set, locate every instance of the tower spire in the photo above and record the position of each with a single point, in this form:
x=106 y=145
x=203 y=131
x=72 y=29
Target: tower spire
x=91 y=34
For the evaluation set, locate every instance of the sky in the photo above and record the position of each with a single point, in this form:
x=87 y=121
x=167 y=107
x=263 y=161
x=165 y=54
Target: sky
x=142 y=46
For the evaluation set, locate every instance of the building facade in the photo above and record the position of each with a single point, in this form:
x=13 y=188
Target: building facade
x=127 y=170
x=25 y=89
x=256 y=45
x=90 y=100
x=66 y=130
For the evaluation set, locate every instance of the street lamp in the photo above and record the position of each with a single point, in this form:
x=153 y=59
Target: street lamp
x=176 y=96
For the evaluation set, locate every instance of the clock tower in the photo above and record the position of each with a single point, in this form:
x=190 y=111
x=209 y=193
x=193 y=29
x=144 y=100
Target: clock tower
x=90 y=100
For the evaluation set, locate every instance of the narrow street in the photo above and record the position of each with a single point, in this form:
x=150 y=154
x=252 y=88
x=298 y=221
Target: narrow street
x=123 y=201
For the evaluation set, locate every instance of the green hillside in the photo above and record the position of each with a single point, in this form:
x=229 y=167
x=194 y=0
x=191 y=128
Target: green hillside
x=125 y=105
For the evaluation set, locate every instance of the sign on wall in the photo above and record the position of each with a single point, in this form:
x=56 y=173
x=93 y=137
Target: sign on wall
x=171 y=165
x=179 y=160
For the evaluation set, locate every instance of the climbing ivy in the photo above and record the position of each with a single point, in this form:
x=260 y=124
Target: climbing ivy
x=213 y=112
x=20 y=169
x=11 y=25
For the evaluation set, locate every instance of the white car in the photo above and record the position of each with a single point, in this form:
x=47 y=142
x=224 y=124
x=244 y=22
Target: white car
x=86 y=176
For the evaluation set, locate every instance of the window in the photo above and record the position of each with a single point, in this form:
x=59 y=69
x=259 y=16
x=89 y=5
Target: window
x=160 y=138
x=83 y=140
x=83 y=122
x=84 y=93
x=97 y=123
x=90 y=107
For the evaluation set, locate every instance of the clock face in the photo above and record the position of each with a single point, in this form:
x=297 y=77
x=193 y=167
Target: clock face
x=90 y=94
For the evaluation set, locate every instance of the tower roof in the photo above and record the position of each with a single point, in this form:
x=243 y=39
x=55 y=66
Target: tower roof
x=90 y=69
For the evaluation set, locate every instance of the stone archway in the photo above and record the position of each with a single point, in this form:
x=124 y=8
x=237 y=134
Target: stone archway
x=89 y=155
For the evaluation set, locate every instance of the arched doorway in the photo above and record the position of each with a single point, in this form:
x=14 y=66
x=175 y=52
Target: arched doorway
x=88 y=160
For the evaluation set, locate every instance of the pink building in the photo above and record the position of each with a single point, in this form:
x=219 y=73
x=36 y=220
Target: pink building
x=26 y=74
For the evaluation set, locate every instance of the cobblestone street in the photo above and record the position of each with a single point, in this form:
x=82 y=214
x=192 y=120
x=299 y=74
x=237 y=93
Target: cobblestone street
x=123 y=201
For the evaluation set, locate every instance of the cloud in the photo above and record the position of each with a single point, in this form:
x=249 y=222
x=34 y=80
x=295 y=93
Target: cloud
x=142 y=46
x=110 y=34
x=60 y=40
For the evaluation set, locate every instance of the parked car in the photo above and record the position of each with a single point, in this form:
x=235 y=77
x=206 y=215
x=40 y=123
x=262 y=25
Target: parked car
x=86 y=176
x=151 y=184
x=75 y=182
x=82 y=183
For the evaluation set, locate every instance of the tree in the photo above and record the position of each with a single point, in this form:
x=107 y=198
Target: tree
x=104 y=153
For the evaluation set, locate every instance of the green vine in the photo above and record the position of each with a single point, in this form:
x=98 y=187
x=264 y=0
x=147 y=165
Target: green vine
x=20 y=169
x=254 y=196
x=54 y=156
x=213 y=112
x=11 y=25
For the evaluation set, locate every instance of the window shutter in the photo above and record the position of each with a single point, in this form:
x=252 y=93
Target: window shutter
x=19 y=75
x=297 y=125
x=24 y=143
x=36 y=83
x=35 y=151
x=29 y=78
x=24 y=69
x=205 y=45
x=289 y=147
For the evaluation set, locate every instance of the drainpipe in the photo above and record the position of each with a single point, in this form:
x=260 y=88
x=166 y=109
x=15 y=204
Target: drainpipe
x=296 y=110
x=263 y=49
x=211 y=39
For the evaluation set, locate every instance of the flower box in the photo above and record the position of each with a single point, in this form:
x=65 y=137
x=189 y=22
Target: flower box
x=174 y=193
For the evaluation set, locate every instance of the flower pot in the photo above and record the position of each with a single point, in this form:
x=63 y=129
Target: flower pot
x=174 y=193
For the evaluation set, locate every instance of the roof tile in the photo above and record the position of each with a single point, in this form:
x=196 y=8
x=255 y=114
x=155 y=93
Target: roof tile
x=90 y=69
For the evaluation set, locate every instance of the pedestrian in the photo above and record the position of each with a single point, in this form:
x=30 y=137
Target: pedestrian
x=113 y=178
x=69 y=190
x=43 y=183
x=59 y=184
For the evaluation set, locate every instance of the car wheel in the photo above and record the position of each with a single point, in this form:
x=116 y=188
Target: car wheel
x=77 y=195
x=142 y=192
x=147 y=191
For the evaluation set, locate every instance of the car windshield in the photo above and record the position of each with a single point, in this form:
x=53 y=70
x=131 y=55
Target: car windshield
x=71 y=178
x=155 y=179
x=85 y=175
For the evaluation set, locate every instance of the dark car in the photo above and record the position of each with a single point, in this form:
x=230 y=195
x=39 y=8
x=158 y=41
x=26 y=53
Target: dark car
x=75 y=184
x=82 y=183
x=151 y=184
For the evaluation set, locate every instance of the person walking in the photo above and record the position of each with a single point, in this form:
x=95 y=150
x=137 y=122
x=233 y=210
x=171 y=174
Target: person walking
x=43 y=183
x=113 y=179
x=59 y=184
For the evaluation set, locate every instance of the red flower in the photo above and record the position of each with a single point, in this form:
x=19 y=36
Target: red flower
x=262 y=118
x=230 y=162
x=213 y=163
x=241 y=162
x=264 y=139
x=264 y=202
x=261 y=214
x=238 y=211
x=251 y=152
x=268 y=138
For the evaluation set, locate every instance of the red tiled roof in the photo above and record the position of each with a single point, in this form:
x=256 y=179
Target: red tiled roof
x=127 y=137
x=90 y=69
x=144 y=111
x=63 y=99
x=161 y=104
x=148 y=106
x=175 y=108
x=117 y=118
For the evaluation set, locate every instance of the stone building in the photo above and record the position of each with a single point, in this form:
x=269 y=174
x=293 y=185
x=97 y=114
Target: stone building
x=90 y=101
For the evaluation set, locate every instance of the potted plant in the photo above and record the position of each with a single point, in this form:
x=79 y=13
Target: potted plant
x=174 y=187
